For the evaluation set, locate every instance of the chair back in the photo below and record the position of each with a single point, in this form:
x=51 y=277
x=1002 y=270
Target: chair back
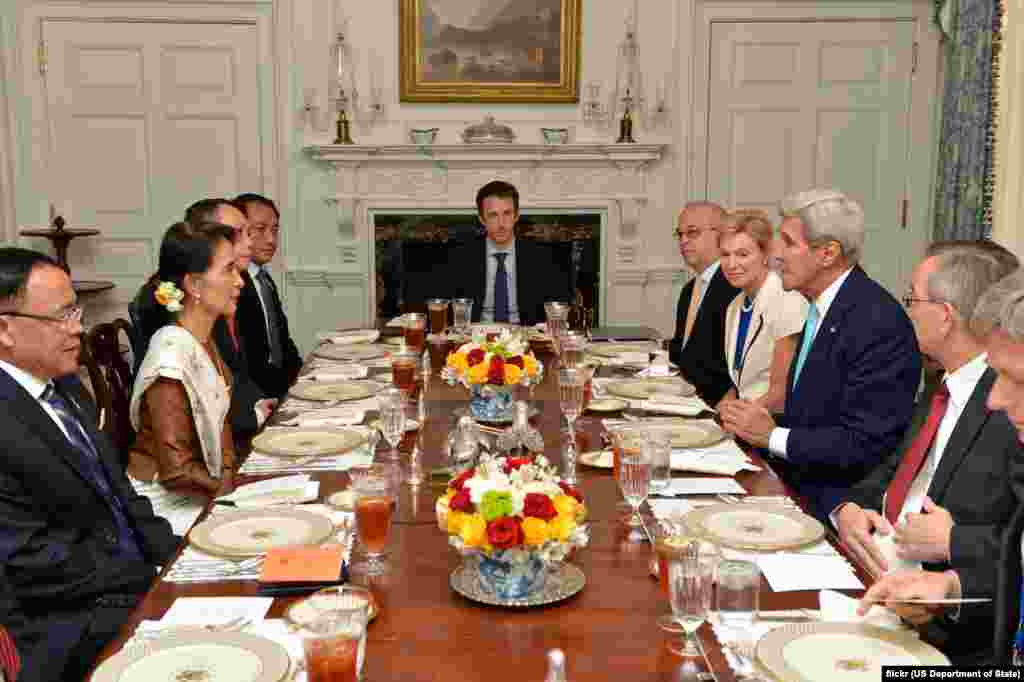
x=112 y=380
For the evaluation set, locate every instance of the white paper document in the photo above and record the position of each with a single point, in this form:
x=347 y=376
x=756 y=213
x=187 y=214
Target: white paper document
x=215 y=610
x=704 y=486
x=792 y=572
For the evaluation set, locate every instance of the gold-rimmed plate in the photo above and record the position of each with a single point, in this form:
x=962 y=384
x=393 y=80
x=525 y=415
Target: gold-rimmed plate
x=599 y=459
x=350 y=353
x=334 y=391
x=809 y=652
x=303 y=442
x=642 y=389
x=347 y=337
x=607 y=404
x=206 y=656
x=393 y=340
x=240 y=534
x=761 y=527
x=302 y=613
x=691 y=434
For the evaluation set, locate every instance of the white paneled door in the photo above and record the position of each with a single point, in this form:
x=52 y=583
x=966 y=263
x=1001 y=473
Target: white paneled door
x=144 y=118
x=794 y=105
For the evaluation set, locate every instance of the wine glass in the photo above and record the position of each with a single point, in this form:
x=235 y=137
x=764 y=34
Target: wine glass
x=634 y=476
x=570 y=394
x=392 y=418
x=689 y=589
x=652 y=354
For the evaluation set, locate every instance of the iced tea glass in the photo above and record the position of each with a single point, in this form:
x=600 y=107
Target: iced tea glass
x=373 y=492
x=334 y=640
x=416 y=331
x=404 y=368
x=462 y=313
x=437 y=309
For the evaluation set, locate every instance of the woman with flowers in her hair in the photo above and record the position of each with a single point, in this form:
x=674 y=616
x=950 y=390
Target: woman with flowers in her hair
x=182 y=391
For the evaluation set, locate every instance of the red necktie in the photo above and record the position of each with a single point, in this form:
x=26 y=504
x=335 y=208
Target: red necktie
x=233 y=330
x=915 y=456
x=9 y=660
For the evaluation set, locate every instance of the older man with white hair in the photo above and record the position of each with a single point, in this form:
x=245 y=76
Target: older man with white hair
x=851 y=387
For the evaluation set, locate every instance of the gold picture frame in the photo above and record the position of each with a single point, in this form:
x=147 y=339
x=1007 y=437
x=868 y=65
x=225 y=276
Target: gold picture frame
x=497 y=54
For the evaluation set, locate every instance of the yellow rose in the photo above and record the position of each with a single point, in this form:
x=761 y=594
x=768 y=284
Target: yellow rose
x=512 y=374
x=457 y=361
x=455 y=521
x=477 y=374
x=535 y=531
x=530 y=365
x=448 y=495
x=561 y=527
x=474 y=530
x=581 y=513
x=565 y=504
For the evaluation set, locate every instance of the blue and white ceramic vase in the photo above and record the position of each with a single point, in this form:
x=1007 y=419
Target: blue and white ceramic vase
x=511 y=581
x=491 y=403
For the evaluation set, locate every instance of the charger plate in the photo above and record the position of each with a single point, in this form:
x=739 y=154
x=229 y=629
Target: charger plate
x=606 y=405
x=642 y=389
x=332 y=391
x=610 y=350
x=692 y=434
x=357 y=353
x=393 y=340
x=206 y=656
x=762 y=527
x=307 y=442
x=561 y=583
x=599 y=459
x=239 y=534
x=300 y=614
x=810 y=652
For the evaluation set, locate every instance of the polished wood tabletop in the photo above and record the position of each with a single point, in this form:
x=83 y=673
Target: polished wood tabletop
x=426 y=631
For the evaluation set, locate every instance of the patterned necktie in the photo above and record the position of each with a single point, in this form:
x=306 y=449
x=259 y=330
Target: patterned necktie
x=75 y=431
x=691 y=312
x=896 y=493
x=810 y=327
x=10 y=663
x=272 y=304
x=501 y=313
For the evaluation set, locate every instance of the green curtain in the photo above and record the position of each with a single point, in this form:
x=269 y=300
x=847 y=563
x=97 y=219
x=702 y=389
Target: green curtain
x=963 y=197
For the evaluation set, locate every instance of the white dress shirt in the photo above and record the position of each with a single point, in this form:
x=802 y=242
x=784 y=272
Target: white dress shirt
x=35 y=388
x=487 y=314
x=706 y=276
x=779 y=437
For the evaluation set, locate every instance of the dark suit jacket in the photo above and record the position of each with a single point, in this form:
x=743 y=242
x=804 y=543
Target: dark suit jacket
x=702 y=361
x=148 y=316
x=58 y=536
x=252 y=332
x=1008 y=587
x=855 y=396
x=539 y=278
x=979 y=480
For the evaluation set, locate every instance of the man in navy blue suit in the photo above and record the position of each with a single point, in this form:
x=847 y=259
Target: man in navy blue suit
x=851 y=387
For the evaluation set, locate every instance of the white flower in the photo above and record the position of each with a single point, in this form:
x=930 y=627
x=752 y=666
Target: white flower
x=478 y=486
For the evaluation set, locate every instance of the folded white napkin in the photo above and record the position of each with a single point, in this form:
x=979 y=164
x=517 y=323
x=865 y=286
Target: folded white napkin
x=724 y=459
x=332 y=416
x=275 y=491
x=336 y=373
x=344 y=338
x=838 y=608
x=887 y=544
x=793 y=572
x=670 y=403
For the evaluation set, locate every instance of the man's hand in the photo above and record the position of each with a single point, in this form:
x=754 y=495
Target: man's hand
x=925 y=536
x=856 y=526
x=912 y=585
x=747 y=420
x=227 y=483
x=263 y=409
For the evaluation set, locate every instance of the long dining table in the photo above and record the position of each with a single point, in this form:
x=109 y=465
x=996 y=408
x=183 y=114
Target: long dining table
x=427 y=631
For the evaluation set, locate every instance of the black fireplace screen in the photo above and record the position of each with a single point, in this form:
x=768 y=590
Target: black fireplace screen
x=412 y=250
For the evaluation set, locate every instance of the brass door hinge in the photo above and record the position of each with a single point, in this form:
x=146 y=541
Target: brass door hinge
x=43 y=58
x=904 y=210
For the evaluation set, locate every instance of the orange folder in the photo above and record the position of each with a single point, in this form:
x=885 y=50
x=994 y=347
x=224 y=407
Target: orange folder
x=302 y=565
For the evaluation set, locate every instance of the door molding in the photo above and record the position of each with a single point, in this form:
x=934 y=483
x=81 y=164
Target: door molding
x=696 y=18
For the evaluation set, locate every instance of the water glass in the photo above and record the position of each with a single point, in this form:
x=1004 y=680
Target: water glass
x=738 y=585
x=462 y=313
x=626 y=438
x=573 y=346
x=634 y=478
x=689 y=589
x=374 y=496
x=659 y=447
x=334 y=640
x=571 y=383
x=391 y=405
x=558 y=322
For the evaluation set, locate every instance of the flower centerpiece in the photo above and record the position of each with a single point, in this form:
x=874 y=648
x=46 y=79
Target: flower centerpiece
x=512 y=518
x=490 y=369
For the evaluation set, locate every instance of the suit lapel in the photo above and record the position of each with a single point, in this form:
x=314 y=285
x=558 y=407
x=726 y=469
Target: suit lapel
x=970 y=423
x=86 y=417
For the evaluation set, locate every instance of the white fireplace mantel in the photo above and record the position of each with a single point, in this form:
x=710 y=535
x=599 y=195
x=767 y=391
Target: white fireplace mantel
x=599 y=153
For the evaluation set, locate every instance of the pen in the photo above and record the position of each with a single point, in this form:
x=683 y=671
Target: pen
x=225 y=503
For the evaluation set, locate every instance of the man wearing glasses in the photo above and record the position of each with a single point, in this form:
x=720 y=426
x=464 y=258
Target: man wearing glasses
x=851 y=387
x=698 y=347
x=78 y=546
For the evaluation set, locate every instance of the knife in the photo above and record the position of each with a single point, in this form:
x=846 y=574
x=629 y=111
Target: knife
x=934 y=602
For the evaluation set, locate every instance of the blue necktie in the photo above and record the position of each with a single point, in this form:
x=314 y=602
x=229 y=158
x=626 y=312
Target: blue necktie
x=809 y=328
x=75 y=431
x=273 y=305
x=501 y=289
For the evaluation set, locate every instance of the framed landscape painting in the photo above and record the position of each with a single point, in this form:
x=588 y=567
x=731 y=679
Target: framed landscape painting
x=489 y=50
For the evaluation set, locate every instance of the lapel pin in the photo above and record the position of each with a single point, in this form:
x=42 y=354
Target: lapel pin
x=831 y=330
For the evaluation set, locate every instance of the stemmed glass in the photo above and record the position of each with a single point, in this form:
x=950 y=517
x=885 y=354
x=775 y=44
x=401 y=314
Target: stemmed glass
x=689 y=590
x=570 y=394
x=634 y=476
x=374 y=495
x=391 y=404
x=557 y=321
x=652 y=354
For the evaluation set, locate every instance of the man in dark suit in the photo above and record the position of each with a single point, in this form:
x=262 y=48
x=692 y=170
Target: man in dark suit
x=1000 y=317
x=851 y=387
x=78 y=545
x=273 y=358
x=10 y=618
x=508 y=279
x=698 y=347
x=954 y=483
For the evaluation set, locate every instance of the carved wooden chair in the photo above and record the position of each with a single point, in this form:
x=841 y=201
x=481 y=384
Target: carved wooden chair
x=111 y=377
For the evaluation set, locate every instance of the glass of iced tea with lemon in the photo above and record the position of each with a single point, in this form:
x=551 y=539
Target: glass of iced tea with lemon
x=373 y=493
x=334 y=636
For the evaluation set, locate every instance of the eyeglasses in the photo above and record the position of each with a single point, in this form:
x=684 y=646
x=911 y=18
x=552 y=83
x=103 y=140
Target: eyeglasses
x=909 y=300
x=690 y=234
x=66 y=318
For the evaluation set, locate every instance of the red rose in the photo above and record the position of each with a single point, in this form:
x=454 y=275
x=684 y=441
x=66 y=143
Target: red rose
x=461 y=502
x=539 y=505
x=496 y=372
x=516 y=360
x=458 y=481
x=570 y=491
x=504 y=532
x=475 y=356
x=513 y=463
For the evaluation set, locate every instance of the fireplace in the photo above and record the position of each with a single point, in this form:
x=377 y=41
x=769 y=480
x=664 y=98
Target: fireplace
x=412 y=247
